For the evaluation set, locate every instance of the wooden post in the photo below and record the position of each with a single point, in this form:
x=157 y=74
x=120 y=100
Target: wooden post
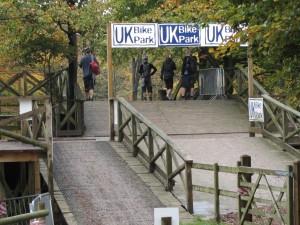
x=120 y=121
x=239 y=196
x=217 y=192
x=284 y=125
x=134 y=136
x=169 y=186
x=49 y=141
x=151 y=149
x=133 y=66
x=289 y=197
x=111 y=120
x=246 y=161
x=110 y=82
x=37 y=180
x=166 y=221
x=296 y=173
x=189 y=185
x=250 y=82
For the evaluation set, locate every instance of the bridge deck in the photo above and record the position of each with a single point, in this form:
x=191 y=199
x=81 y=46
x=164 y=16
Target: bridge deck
x=214 y=132
x=99 y=186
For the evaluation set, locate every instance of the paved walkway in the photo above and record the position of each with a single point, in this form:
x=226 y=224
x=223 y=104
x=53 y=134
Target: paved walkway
x=96 y=119
x=214 y=132
x=99 y=186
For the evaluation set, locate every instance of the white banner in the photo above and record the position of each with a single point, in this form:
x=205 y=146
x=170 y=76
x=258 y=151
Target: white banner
x=152 y=35
x=215 y=35
x=256 y=109
x=132 y=35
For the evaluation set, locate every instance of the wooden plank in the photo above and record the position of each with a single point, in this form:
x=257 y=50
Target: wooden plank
x=37 y=180
x=169 y=167
x=23 y=116
x=140 y=138
x=242 y=169
x=281 y=105
x=151 y=149
x=296 y=186
x=217 y=192
x=290 y=203
x=120 y=122
x=68 y=116
x=273 y=117
x=19 y=157
x=49 y=141
x=111 y=119
x=22 y=138
x=189 y=185
x=263 y=187
x=248 y=205
x=177 y=171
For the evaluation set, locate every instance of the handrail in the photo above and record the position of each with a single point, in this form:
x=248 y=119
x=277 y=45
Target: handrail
x=281 y=105
x=160 y=154
x=255 y=82
x=24 y=217
x=153 y=127
x=281 y=124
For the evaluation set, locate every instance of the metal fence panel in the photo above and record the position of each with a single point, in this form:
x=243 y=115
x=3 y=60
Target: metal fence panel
x=212 y=82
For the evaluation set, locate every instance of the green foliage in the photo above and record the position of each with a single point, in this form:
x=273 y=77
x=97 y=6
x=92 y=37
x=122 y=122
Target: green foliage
x=39 y=31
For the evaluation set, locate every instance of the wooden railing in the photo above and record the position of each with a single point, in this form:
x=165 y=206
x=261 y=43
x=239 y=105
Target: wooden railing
x=261 y=199
x=69 y=118
x=282 y=123
x=33 y=127
x=24 y=217
x=157 y=150
x=163 y=158
x=68 y=114
x=27 y=84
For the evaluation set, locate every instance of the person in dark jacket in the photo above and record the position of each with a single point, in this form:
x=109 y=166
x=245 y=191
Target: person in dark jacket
x=167 y=74
x=146 y=70
x=88 y=78
x=186 y=75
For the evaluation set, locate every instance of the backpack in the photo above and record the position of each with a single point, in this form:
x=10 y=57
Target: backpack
x=94 y=67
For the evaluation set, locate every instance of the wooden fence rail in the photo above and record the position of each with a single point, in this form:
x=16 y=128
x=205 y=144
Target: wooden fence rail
x=282 y=122
x=157 y=150
x=35 y=128
x=68 y=114
x=162 y=157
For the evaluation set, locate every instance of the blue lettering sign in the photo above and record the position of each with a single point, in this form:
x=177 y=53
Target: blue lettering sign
x=179 y=35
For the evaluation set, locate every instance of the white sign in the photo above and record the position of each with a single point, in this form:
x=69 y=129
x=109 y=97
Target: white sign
x=25 y=106
x=256 y=109
x=132 y=35
x=160 y=213
x=217 y=34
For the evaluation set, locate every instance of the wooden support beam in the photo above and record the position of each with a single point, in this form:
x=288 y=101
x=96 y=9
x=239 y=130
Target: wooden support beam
x=296 y=186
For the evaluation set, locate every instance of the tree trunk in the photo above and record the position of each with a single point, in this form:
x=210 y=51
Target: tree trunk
x=72 y=67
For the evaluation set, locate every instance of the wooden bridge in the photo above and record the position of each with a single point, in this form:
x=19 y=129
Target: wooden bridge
x=197 y=150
